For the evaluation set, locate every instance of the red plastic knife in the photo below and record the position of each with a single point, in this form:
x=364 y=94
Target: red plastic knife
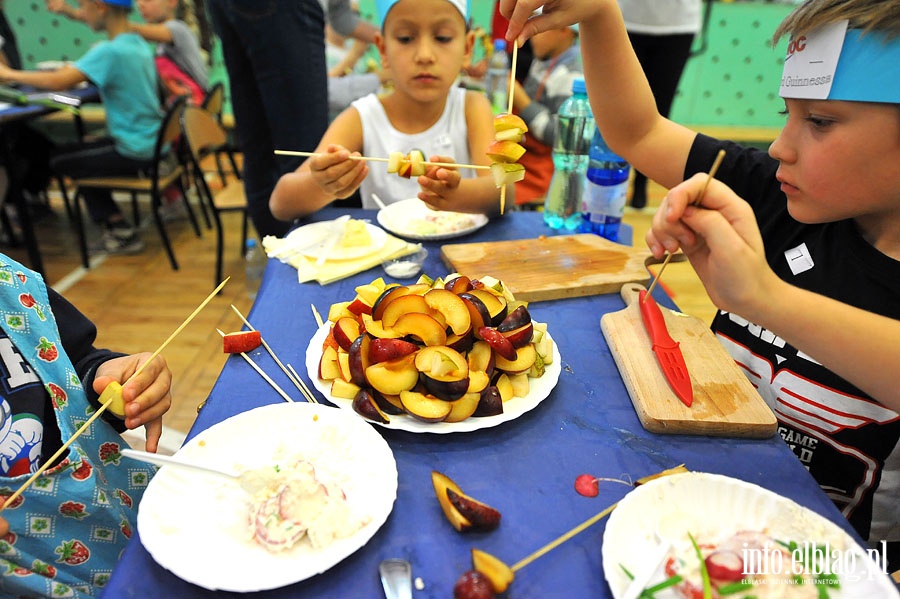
x=666 y=349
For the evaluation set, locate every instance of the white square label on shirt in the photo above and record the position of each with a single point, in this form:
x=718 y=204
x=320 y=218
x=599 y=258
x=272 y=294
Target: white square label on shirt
x=799 y=259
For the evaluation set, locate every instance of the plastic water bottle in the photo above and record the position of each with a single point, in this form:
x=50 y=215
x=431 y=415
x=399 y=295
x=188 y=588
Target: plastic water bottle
x=254 y=264
x=575 y=126
x=497 y=81
x=605 y=189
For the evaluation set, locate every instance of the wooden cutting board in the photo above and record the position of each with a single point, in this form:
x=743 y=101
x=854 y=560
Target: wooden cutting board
x=725 y=403
x=553 y=267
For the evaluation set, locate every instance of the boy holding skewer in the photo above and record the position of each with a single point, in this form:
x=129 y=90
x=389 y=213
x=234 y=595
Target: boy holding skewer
x=69 y=527
x=799 y=249
x=425 y=43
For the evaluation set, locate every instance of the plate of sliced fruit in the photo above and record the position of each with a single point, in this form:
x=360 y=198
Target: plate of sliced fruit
x=434 y=357
x=413 y=219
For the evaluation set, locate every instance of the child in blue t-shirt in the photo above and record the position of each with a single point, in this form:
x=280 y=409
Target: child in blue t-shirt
x=123 y=70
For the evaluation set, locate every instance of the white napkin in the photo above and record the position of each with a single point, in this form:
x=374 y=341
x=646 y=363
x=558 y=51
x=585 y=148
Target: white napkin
x=335 y=270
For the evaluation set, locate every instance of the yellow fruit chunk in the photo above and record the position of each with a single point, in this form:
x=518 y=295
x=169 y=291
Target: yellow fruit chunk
x=497 y=572
x=113 y=395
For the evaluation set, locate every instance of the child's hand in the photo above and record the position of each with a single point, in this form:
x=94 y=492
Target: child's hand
x=56 y=6
x=721 y=239
x=438 y=183
x=147 y=397
x=335 y=173
x=555 y=14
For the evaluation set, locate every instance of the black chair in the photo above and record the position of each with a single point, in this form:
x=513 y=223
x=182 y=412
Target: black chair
x=204 y=136
x=162 y=174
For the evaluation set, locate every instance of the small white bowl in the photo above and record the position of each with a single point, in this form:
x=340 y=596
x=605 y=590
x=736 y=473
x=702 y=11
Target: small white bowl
x=405 y=267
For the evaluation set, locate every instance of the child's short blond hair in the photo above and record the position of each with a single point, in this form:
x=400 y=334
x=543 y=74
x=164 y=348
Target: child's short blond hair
x=867 y=15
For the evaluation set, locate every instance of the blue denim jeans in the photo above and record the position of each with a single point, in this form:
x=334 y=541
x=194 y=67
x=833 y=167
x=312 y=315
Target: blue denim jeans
x=274 y=53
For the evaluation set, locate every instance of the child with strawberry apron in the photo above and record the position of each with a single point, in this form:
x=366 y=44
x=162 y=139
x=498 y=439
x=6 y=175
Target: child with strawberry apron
x=69 y=528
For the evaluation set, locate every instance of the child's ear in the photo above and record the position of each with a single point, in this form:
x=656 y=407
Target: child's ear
x=470 y=46
x=379 y=43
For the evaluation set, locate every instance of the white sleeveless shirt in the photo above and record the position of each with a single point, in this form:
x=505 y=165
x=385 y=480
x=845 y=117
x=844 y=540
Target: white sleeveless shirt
x=447 y=137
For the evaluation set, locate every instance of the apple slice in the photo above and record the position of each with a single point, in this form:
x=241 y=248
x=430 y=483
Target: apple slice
x=507 y=172
x=416 y=158
x=500 y=575
x=426 y=408
x=338 y=311
x=343 y=390
x=366 y=406
x=329 y=369
x=394 y=161
x=113 y=394
x=241 y=342
x=505 y=151
x=520 y=384
x=504 y=387
x=509 y=127
x=345 y=332
x=482 y=516
x=441 y=483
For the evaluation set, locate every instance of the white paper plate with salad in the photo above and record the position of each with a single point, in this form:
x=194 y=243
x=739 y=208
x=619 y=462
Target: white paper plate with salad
x=754 y=543
x=413 y=219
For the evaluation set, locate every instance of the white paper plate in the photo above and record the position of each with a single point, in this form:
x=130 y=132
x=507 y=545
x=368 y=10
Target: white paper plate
x=413 y=219
x=711 y=506
x=311 y=239
x=539 y=390
x=196 y=524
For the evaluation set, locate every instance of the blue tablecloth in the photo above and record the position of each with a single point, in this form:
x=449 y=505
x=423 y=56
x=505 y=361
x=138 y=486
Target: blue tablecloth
x=525 y=468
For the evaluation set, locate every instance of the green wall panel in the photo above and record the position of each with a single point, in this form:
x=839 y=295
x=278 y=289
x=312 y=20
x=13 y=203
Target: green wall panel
x=42 y=35
x=735 y=80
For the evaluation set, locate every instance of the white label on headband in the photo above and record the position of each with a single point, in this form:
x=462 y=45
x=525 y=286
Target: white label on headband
x=811 y=62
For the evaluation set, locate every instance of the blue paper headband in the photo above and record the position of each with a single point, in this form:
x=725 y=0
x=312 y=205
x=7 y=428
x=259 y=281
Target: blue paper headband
x=125 y=3
x=867 y=70
x=384 y=6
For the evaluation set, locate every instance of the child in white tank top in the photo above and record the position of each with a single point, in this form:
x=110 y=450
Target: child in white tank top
x=425 y=44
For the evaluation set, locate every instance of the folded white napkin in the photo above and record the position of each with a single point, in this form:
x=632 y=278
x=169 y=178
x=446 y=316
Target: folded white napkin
x=335 y=270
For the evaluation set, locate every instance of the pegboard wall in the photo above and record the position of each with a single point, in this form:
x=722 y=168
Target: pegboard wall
x=42 y=35
x=733 y=82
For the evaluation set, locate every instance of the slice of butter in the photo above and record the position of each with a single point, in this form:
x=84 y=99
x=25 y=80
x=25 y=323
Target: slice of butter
x=356 y=234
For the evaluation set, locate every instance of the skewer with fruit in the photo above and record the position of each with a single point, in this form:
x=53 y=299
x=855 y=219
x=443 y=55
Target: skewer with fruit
x=490 y=575
x=436 y=351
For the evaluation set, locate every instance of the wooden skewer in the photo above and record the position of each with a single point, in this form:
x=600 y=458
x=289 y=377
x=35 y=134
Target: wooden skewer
x=509 y=108
x=317 y=316
x=265 y=376
x=563 y=538
x=712 y=173
x=310 y=397
x=297 y=383
x=103 y=407
x=478 y=167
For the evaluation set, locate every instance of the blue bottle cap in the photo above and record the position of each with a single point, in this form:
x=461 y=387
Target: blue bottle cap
x=500 y=45
x=578 y=86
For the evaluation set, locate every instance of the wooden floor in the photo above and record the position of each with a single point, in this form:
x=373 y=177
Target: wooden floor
x=137 y=301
